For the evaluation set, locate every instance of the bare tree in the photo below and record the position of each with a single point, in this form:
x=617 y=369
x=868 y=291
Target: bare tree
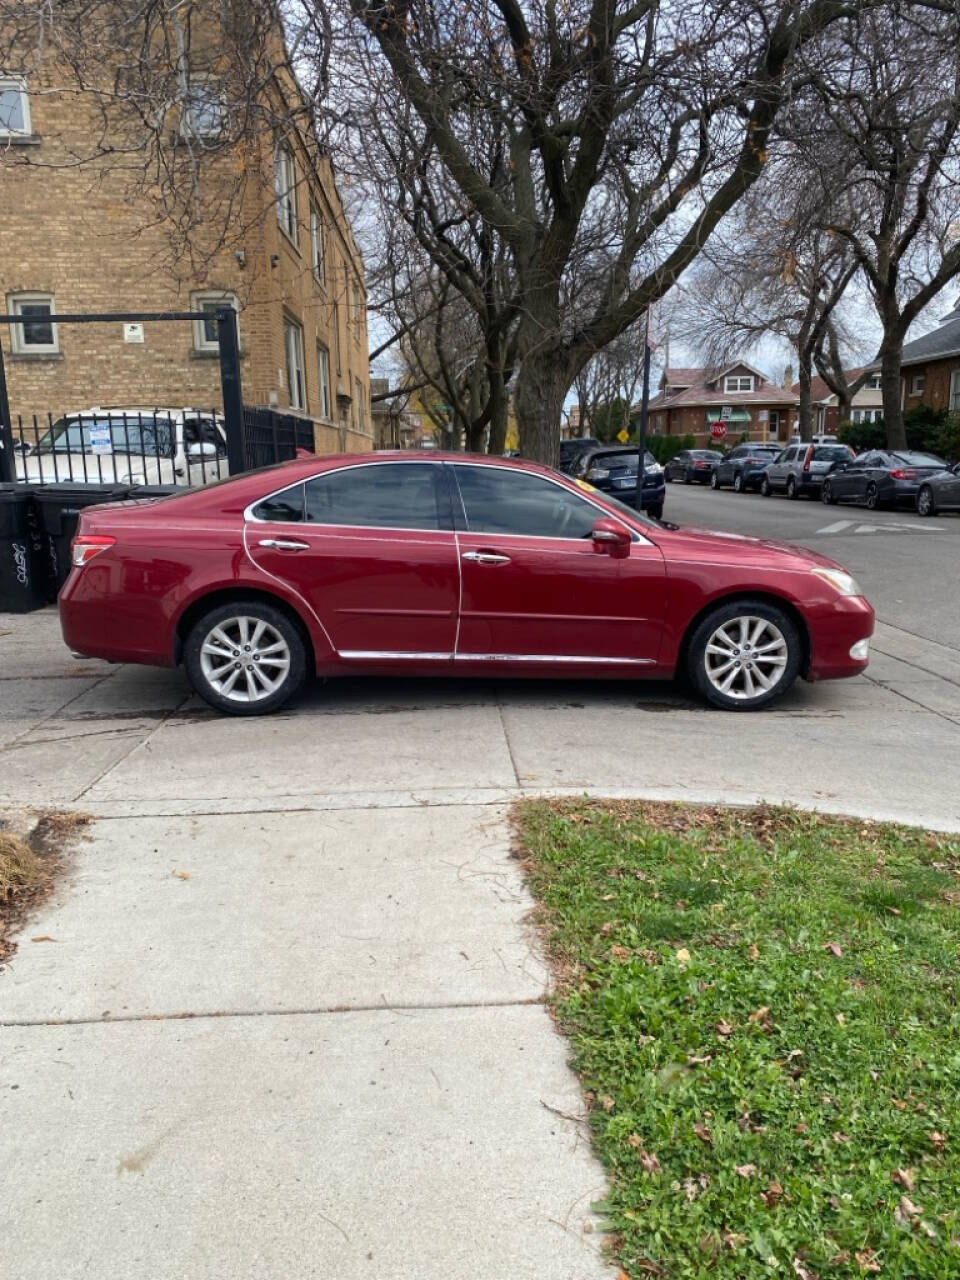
x=612 y=375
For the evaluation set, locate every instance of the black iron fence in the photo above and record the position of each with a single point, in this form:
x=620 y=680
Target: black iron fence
x=270 y=436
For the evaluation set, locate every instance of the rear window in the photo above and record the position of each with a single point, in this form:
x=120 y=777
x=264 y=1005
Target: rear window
x=132 y=433
x=919 y=459
x=704 y=453
x=831 y=453
x=626 y=461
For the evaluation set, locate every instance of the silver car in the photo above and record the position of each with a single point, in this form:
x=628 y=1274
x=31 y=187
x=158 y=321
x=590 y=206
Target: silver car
x=801 y=468
x=940 y=492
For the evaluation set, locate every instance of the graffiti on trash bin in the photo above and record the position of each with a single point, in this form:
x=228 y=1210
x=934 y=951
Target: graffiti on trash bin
x=20 y=561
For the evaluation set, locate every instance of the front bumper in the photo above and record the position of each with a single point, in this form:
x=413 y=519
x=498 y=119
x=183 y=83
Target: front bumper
x=837 y=631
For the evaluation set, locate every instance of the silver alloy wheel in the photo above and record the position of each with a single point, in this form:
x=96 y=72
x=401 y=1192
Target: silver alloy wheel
x=244 y=659
x=745 y=657
x=925 y=501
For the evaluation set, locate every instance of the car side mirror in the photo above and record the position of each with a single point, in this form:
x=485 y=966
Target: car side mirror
x=197 y=451
x=610 y=539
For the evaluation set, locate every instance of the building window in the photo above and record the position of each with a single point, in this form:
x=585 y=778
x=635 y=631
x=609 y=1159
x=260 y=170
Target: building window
x=286 y=181
x=361 y=403
x=336 y=335
x=14 y=107
x=873 y=382
x=317 y=250
x=739 y=382
x=867 y=415
x=205 y=331
x=357 y=307
x=323 y=367
x=204 y=115
x=38 y=336
x=296 y=385
x=917 y=384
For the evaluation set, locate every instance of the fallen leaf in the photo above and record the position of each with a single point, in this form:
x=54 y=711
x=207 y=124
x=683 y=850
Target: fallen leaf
x=724 y=1028
x=938 y=1139
x=182 y=875
x=650 y=1162
x=634 y=1140
x=835 y=947
x=803 y=1272
x=703 y=1132
x=733 y=1239
x=773 y=1194
x=905 y=1177
x=621 y=953
x=905 y=1211
x=928 y=1229
x=868 y=1260
x=754 y=952
x=645 y=1264
x=746 y=1170
x=683 y=957
x=895 y=911
x=840 y=1137
x=801 y=1126
x=693 y=1186
x=841 y=1019
x=899 y=1104
x=697 y=1061
x=762 y=1017
x=42 y=937
x=607 y=1102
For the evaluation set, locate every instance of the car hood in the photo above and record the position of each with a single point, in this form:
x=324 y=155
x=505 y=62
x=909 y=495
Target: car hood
x=714 y=545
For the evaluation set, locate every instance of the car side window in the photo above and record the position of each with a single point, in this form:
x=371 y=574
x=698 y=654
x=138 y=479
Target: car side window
x=202 y=431
x=286 y=505
x=497 y=500
x=382 y=495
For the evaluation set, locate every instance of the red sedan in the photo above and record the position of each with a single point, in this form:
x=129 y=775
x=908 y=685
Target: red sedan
x=394 y=563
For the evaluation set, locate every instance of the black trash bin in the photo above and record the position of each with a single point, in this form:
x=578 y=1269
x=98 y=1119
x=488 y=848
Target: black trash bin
x=60 y=506
x=156 y=490
x=23 y=561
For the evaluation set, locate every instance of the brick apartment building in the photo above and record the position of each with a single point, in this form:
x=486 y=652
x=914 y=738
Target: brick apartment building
x=750 y=403
x=73 y=240
x=866 y=405
x=931 y=367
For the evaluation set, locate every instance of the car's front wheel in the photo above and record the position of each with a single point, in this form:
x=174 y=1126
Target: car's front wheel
x=792 y=492
x=246 y=658
x=714 y=480
x=827 y=495
x=925 y=503
x=765 y=487
x=744 y=654
x=873 y=497
x=738 y=482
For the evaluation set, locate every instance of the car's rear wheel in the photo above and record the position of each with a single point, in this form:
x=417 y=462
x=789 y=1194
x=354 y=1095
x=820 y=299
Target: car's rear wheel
x=791 y=488
x=657 y=511
x=714 y=481
x=667 y=477
x=738 y=482
x=688 y=477
x=926 y=506
x=246 y=658
x=827 y=495
x=765 y=487
x=744 y=654
x=873 y=497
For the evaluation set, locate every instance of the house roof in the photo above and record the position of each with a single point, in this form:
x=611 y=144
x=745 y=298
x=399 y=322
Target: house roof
x=697 y=393
x=936 y=345
x=680 y=377
x=819 y=389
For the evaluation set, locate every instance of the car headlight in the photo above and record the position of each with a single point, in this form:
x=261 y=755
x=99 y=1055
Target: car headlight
x=598 y=473
x=844 y=582
x=653 y=471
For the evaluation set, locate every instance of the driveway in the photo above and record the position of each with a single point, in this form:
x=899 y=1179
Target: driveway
x=293 y=1018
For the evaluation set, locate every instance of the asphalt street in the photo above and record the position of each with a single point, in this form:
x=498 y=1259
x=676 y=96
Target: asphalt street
x=909 y=567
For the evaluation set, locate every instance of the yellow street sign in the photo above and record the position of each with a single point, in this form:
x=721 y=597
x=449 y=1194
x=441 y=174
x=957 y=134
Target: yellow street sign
x=623 y=435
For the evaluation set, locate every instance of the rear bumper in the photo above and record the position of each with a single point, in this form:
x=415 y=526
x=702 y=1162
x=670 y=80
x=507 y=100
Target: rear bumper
x=653 y=495
x=834 y=630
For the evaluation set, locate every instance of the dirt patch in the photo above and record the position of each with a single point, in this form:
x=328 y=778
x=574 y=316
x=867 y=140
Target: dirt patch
x=31 y=858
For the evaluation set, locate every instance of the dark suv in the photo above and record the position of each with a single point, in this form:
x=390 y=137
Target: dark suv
x=613 y=470
x=571 y=450
x=743 y=466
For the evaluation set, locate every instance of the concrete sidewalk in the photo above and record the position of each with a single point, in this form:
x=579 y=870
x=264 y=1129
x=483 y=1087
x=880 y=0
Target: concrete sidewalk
x=293 y=1021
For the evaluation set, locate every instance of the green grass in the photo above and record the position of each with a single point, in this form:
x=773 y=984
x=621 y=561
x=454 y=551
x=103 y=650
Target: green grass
x=765 y=1012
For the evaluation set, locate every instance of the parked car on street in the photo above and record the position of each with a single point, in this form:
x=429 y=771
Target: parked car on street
x=570 y=450
x=882 y=478
x=613 y=469
x=390 y=563
x=743 y=466
x=801 y=468
x=128 y=446
x=940 y=492
x=692 y=466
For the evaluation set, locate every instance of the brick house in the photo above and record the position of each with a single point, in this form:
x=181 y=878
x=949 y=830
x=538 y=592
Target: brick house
x=73 y=240
x=931 y=367
x=749 y=402
x=866 y=406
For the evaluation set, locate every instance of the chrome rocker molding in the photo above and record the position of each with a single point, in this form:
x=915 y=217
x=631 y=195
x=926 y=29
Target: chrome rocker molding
x=387 y=655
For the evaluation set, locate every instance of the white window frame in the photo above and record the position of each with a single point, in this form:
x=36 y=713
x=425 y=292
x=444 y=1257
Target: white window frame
x=323 y=373
x=293 y=344
x=188 y=128
x=286 y=192
x=318 y=248
x=18 y=345
x=357 y=306
x=198 y=302
x=874 y=382
x=955 y=391
x=918 y=384
x=19 y=85
x=733 y=381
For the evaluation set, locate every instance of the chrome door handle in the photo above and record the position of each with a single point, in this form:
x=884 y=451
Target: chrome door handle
x=284 y=544
x=485 y=557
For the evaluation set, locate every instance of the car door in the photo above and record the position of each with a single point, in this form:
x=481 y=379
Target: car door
x=777 y=471
x=535 y=589
x=948 y=488
x=371 y=548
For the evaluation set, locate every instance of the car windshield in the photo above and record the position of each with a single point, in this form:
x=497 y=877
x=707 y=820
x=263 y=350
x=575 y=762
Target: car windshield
x=919 y=459
x=628 y=461
x=144 y=434
x=831 y=453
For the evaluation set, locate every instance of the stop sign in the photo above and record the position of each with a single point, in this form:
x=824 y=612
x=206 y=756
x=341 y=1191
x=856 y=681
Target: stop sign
x=718 y=430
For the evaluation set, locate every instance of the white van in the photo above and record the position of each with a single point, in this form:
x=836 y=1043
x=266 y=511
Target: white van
x=115 y=445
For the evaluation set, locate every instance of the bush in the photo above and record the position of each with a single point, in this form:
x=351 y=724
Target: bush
x=928 y=430
x=861 y=436
x=664 y=448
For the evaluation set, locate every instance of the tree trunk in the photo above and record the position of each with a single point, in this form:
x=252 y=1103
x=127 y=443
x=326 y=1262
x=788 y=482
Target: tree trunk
x=541 y=386
x=497 y=440
x=890 y=355
x=805 y=412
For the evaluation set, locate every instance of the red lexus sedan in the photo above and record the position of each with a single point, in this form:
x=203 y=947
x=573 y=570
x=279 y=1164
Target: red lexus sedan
x=394 y=563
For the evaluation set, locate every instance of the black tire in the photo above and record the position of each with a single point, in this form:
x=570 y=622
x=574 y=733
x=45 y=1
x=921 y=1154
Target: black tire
x=714 y=480
x=656 y=512
x=765 y=487
x=257 y=611
x=827 y=496
x=926 y=503
x=792 y=491
x=728 y=614
x=688 y=477
x=873 y=497
x=667 y=477
x=738 y=482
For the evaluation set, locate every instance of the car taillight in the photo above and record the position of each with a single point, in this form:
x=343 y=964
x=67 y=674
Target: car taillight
x=903 y=473
x=87 y=545
x=808 y=459
x=701 y=464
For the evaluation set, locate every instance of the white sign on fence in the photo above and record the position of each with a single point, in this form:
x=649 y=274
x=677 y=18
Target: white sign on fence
x=100 y=440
